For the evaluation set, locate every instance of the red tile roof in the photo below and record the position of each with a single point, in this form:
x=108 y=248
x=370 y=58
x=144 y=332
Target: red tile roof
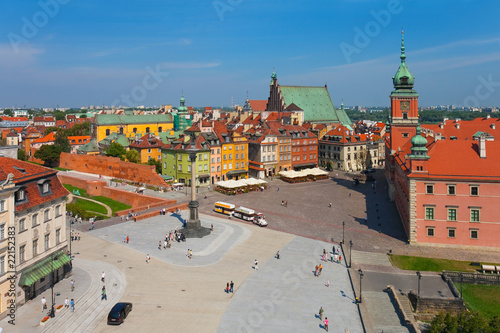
x=13 y=119
x=258 y=105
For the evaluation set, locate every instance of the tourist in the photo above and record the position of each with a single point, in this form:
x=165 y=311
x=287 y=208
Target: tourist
x=321 y=313
x=148 y=258
x=278 y=254
x=66 y=303
x=256 y=265
x=72 y=285
x=326 y=323
x=127 y=239
x=72 y=304
x=44 y=303
x=159 y=245
x=104 y=294
x=231 y=286
x=103 y=277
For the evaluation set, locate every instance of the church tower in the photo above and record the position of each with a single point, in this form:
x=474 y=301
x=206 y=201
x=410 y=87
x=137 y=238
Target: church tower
x=404 y=104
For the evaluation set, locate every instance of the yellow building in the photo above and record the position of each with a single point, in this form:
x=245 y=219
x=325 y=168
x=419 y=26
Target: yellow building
x=130 y=125
x=148 y=147
x=234 y=153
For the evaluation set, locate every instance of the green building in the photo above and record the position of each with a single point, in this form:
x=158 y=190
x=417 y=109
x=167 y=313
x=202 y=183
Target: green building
x=177 y=164
x=182 y=119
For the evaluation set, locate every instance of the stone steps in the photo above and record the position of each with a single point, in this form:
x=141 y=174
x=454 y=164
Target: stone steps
x=382 y=312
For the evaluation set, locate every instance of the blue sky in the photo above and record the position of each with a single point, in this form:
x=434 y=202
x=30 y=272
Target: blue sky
x=71 y=53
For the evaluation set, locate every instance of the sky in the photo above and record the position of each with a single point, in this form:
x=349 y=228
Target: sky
x=74 y=53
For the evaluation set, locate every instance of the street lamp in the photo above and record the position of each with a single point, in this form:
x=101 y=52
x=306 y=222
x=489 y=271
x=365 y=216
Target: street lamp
x=343 y=226
x=419 y=277
x=53 y=308
x=360 y=285
x=350 y=253
x=461 y=281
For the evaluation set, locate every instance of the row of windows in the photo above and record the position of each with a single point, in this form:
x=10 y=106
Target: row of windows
x=22 y=248
x=451 y=189
x=79 y=141
x=305 y=149
x=242 y=147
x=108 y=131
x=304 y=142
x=452 y=232
x=287 y=148
x=268 y=148
x=452 y=214
x=231 y=157
x=312 y=156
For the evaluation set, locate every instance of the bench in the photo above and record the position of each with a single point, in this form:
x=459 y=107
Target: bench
x=489 y=268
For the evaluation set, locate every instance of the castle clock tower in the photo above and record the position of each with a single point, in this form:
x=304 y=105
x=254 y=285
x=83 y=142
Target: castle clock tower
x=404 y=105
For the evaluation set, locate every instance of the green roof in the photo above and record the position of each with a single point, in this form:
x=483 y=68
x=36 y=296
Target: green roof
x=43 y=268
x=89 y=147
x=115 y=137
x=316 y=103
x=123 y=140
x=121 y=119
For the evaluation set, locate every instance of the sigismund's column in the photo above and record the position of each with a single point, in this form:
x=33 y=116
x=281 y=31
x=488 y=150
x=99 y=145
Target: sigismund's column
x=194 y=221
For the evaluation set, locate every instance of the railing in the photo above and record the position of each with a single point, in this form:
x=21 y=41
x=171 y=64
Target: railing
x=473 y=278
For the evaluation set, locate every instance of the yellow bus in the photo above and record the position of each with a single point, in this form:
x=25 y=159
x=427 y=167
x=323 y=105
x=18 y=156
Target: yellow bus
x=224 y=208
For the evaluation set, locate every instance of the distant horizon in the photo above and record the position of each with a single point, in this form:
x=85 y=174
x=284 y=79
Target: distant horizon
x=62 y=52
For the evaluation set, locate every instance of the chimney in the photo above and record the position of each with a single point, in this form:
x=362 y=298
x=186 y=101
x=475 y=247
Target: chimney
x=488 y=116
x=457 y=125
x=482 y=146
x=441 y=125
x=493 y=126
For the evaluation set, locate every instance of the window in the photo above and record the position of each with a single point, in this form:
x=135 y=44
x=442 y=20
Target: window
x=149 y=150
x=230 y=156
x=134 y=130
x=225 y=166
x=474 y=215
x=218 y=168
x=180 y=167
x=451 y=232
x=107 y=132
x=179 y=157
x=237 y=166
x=237 y=147
x=474 y=190
x=405 y=135
x=205 y=166
x=22 y=250
x=2 y=205
x=46 y=241
x=46 y=215
x=237 y=156
x=405 y=115
x=20 y=195
x=200 y=167
x=22 y=225
x=474 y=233
x=451 y=189
x=213 y=169
x=241 y=147
x=242 y=155
x=230 y=147
x=199 y=157
x=230 y=165
x=452 y=214
x=429 y=213
x=147 y=129
x=2 y=231
x=225 y=157
x=429 y=189
x=2 y=264
x=213 y=160
x=34 y=220
x=218 y=159
x=58 y=236
x=218 y=150
x=205 y=157
x=35 y=247
x=160 y=129
x=189 y=168
x=430 y=231
x=164 y=165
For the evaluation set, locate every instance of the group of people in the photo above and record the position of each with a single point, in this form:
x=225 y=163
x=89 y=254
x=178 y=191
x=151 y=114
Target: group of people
x=163 y=211
x=190 y=254
x=229 y=287
x=75 y=236
x=126 y=239
x=284 y=203
x=103 y=290
x=325 y=322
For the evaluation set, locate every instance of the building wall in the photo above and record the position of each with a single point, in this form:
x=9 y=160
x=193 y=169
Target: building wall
x=215 y=164
x=171 y=163
x=284 y=154
x=112 y=167
x=128 y=130
x=238 y=145
x=486 y=202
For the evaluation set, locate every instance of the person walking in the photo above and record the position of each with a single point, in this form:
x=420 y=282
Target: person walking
x=325 y=322
x=104 y=294
x=66 y=303
x=316 y=268
x=148 y=258
x=278 y=254
x=321 y=313
x=103 y=277
x=72 y=285
x=256 y=265
x=320 y=269
x=127 y=239
x=227 y=288
x=72 y=305
x=231 y=286
x=159 y=245
x=190 y=254
x=44 y=303
x=330 y=205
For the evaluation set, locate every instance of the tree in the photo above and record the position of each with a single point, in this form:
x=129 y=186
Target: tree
x=59 y=115
x=48 y=153
x=133 y=156
x=21 y=155
x=157 y=165
x=115 y=150
x=7 y=112
x=62 y=142
x=83 y=116
x=79 y=129
x=49 y=130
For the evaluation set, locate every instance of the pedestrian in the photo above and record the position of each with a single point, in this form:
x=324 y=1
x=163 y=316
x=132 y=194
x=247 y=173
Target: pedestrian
x=325 y=322
x=104 y=294
x=349 y=194
x=231 y=286
x=159 y=245
x=328 y=283
x=127 y=239
x=124 y=238
x=321 y=313
x=278 y=255
x=316 y=268
x=278 y=189
x=227 y=288
x=330 y=205
x=326 y=256
x=187 y=254
x=212 y=227
x=191 y=254
x=320 y=268
x=256 y=265
x=66 y=303
x=340 y=258
x=148 y=258
x=103 y=277
x=92 y=225
x=165 y=244
x=72 y=304
x=44 y=303
x=72 y=285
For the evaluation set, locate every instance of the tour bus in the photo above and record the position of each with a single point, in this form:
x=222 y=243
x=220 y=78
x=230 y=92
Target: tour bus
x=243 y=213
x=224 y=208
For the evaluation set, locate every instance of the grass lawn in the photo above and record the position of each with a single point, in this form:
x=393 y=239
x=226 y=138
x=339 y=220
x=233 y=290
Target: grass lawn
x=61 y=169
x=484 y=299
x=90 y=206
x=431 y=264
x=70 y=188
x=113 y=204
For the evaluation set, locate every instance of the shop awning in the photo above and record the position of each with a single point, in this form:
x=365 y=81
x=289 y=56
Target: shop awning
x=236 y=172
x=43 y=268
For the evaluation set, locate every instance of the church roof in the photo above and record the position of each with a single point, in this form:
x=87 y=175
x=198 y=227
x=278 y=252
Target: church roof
x=258 y=105
x=124 y=119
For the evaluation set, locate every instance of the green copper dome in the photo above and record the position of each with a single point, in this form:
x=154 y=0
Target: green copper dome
x=182 y=108
x=403 y=79
x=418 y=140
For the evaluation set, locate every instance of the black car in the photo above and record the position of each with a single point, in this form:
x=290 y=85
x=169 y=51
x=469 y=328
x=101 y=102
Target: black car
x=118 y=313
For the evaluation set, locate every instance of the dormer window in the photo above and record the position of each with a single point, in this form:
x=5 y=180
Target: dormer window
x=44 y=186
x=20 y=195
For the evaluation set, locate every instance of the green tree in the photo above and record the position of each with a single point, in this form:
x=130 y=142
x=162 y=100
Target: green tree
x=21 y=155
x=51 y=129
x=49 y=154
x=79 y=129
x=60 y=115
x=157 y=165
x=7 y=112
x=115 y=150
x=83 y=116
x=133 y=156
x=62 y=142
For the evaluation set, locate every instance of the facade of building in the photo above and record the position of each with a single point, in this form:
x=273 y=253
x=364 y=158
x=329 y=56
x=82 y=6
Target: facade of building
x=74 y=141
x=262 y=154
x=32 y=214
x=304 y=147
x=148 y=147
x=234 y=153
x=130 y=125
x=444 y=179
x=215 y=156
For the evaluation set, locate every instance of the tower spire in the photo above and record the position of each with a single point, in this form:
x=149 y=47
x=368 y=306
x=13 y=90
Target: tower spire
x=403 y=55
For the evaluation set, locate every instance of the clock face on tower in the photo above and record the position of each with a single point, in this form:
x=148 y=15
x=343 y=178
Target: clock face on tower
x=404 y=105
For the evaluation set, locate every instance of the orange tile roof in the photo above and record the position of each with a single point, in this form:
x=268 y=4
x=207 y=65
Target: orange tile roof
x=467 y=128
x=13 y=119
x=258 y=105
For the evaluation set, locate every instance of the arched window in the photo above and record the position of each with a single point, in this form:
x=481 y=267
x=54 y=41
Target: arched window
x=134 y=130
x=108 y=132
x=160 y=129
x=121 y=130
x=147 y=129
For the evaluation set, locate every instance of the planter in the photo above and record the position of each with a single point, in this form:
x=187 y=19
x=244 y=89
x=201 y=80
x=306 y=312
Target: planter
x=44 y=320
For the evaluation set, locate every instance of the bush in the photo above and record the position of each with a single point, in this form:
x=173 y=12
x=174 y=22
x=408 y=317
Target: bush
x=75 y=210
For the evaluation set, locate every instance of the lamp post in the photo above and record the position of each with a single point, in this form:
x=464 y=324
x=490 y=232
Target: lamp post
x=360 y=285
x=461 y=281
x=343 y=226
x=419 y=277
x=350 y=253
x=53 y=306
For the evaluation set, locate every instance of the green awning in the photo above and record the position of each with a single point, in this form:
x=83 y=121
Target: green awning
x=43 y=268
x=236 y=172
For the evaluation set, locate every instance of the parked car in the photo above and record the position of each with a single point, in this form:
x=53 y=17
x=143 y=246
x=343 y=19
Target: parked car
x=369 y=170
x=118 y=313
